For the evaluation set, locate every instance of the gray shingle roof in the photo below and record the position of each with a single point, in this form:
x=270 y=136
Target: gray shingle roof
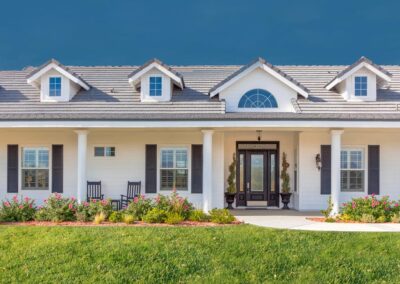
x=112 y=97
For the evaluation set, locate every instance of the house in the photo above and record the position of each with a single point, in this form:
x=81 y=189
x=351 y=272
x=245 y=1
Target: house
x=177 y=127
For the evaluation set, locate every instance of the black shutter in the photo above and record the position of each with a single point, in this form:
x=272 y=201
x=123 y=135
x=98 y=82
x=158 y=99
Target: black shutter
x=57 y=168
x=373 y=169
x=12 y=168
x=326 y=169
x=151 y=169
x=197 y=168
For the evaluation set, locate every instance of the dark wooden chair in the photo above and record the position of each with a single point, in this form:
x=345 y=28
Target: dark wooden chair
x=133 y=190
x=94 y=191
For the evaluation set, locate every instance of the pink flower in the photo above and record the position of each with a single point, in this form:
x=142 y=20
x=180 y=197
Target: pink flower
x=136 y=200
x=104 y=202
x=73 y=198
x=15 y=198
x=40 y=207
x=373 y=194
x=353 y=205
x=86 y=204
x=30 y=205
x=70 y=206
x=7 y=204
x=45 y=201
x=396 y=205
x=58 y=196
x=93 y=200
x=26 y=199
x=21 y=206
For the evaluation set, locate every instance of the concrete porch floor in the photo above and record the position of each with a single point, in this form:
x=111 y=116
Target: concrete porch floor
x=297 y=220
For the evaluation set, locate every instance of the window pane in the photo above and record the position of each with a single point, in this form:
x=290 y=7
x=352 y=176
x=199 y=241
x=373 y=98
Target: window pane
x=356 y=180
x=99 y=151
x=28 y=179
x=272 y=172
x=181 y=158
x=167 y=179
x=343 y=159
x=181 y=179
x=42 y=179
x=155 y=86
x=167 y=159
x=241 y=172
x=110 y=151
x=29 y=158
x=257 y=172
x=344 y=180
x=355 y=160
x=43 y=158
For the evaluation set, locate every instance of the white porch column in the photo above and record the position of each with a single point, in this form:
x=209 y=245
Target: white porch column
x=81 y=168
x=207 y=169
x=336 y=146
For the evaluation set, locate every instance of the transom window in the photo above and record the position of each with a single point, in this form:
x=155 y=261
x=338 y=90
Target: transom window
x=155 y=86
x=104 y=151
x=352 y=170
x=35 y=168
x=174 y=169
x=258 y=98
x=55 y=86
x=360 y=86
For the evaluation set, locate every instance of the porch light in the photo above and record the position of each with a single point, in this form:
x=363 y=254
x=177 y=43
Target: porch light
x=318 y=161
x=258 y=135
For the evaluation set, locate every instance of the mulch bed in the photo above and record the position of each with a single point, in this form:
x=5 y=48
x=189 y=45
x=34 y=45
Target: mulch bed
x=322 y=219
x=110 y=224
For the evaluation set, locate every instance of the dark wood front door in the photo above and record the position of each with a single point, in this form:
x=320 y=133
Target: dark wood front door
x=257 y=177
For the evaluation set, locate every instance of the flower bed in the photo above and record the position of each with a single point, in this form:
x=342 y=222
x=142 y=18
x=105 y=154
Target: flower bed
x=368 y=209
x=165 y=210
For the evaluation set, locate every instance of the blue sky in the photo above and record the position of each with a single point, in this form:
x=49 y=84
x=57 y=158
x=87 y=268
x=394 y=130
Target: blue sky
x=122 y=32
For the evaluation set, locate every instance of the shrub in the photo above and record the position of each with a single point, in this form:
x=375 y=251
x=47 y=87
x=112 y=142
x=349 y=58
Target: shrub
x=87 y=211
x=381 y=210
x=345 y=217
x=396 y=218
x=128 y=219
x=327 y=212
x=17 y=210
x=57 y=209
x=99 y=218
x=155 y=215
x=174 y=204
x=139 y=207
x=116 y=216
x=367 y=218
x=173 y=218
x=199 y=216
x=221 y=216
x=330 y=220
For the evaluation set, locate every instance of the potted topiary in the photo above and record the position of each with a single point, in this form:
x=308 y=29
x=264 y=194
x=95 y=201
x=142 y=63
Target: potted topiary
x=231 y=189
x=285 y=190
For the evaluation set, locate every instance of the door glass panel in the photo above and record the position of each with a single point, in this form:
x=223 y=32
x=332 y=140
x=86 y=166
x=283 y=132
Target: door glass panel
x=272 y=172
x=241 y=172
x=257 y=172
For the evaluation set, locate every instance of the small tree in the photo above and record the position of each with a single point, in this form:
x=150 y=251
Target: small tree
x=232 y=176
x=284 y=174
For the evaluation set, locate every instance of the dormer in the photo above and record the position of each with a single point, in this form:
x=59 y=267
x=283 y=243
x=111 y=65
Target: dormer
x=156 y=81
x=259 y=87
x=56 y=82
x=360 y=81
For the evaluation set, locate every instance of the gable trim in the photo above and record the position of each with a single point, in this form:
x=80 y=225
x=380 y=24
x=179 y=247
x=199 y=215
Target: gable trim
x=363 y=62
x=267 y=67
x=54 y=64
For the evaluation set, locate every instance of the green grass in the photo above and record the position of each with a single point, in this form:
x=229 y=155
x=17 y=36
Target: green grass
x=234 y=254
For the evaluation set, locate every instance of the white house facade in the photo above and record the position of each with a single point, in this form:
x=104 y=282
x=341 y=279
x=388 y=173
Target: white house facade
x=178 y=127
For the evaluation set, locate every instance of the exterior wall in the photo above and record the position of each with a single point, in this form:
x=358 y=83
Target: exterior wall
x=145 y=87
x=259 y=79
x=68 y=88
x=286 y=144
x=309 y=176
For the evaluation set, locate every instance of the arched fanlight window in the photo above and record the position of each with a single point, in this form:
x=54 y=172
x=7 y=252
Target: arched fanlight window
x=258 y=98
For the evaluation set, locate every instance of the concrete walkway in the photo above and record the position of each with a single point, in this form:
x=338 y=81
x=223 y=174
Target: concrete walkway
x=295 y=220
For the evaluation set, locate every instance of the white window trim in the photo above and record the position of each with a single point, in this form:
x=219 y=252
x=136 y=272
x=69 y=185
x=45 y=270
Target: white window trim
x=23 y=146
x=104 y=157
x=187 y=147
x=363 y=148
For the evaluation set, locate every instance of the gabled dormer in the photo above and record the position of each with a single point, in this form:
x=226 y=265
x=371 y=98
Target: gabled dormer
x=56 y=82
x=359 y=81
x=156 y=81
x=259 y=87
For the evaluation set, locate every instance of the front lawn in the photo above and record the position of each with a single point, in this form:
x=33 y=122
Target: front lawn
x=231 y=254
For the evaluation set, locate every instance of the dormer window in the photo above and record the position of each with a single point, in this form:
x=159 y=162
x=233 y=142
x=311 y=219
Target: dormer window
x=55 y=86
x=155 y=86
x=360 y=86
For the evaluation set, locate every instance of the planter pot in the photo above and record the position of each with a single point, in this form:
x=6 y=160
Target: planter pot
x=230 y=198
x=285 y=197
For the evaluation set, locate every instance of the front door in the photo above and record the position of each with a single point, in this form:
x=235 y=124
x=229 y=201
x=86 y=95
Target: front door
x=257 y=178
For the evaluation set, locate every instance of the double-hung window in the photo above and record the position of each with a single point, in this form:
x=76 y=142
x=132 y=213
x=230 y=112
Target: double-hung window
x=155 y=86
x=352 y=170
x=35 y=168
x=104 y=151
x=174 y=172
x=360 y=86
x=55 y=86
